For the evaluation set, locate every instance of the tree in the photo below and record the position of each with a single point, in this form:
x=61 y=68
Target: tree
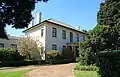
x=109 y=13
x=27 y=46
x=101 y=38
x=106 y=35
x=85 y=31
x=16 y=13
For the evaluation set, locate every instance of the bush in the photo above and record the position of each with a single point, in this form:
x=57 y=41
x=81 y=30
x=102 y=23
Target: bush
x=109 y=64
x=58 y=61
x=85 y=68
x=67 y=53
x=86 y=57
x=52 y=54
x=17 y=63
x=9 y=54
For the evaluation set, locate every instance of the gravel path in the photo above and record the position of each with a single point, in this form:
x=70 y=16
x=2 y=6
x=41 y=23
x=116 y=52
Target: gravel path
x=63 y=70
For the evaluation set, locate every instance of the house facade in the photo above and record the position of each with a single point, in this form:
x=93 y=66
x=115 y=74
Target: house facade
x=55 y=35
x=10 y=43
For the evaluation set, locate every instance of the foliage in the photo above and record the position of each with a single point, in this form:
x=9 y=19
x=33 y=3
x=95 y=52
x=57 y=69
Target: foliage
x=99 y=39
x=67 y=53
x=105 y=36
x=52 y=54
x=85 y=73
x=18 y=63
x=85 y=68
x=58 y=61
x=27 y=46
x=9 y=54
x=20 y=73
x=85 y=31
x=109 y=64
x=109 y=13
x=16 y=13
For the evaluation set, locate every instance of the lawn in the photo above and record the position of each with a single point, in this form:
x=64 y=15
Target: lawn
x=13 y=73
x=85 y=73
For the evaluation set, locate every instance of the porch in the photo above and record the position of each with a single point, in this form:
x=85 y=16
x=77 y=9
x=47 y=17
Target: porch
x=74 y=46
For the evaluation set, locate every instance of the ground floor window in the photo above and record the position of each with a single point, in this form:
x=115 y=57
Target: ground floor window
x=54 y=47
x=1 y=45
x=13 y=45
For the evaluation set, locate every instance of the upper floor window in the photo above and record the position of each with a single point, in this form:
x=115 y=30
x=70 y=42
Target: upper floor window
x=63 y=34
x=13 y=45
x=71 y=37
x=54 y=47
x=54 y=32
x=1 y=45
x=77 y=37
x=83 y=37
x=42 y=32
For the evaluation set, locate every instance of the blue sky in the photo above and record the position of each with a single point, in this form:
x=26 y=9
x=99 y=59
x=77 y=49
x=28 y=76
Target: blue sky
x=74 y=12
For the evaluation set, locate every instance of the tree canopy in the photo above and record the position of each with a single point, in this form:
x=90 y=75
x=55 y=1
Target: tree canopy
x=109 y=13
x=106 y=35
x=16 y=13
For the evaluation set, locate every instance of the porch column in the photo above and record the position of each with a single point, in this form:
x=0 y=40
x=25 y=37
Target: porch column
x=74 y=50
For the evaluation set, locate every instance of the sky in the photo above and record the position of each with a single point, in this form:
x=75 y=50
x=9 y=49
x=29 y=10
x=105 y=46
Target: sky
x=81 y=13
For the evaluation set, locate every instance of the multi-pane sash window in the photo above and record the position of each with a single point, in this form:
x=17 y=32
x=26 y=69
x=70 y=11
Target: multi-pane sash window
x=63 y=34
x=71 y=37
x=77 y=37
x=54 y=32
x=1 y=45
x=13 y=45
x=54 y=47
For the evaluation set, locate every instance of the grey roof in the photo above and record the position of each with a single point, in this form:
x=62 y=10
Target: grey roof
x=58 y=23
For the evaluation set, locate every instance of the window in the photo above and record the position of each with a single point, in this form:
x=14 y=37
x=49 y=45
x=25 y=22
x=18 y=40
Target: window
x=54 y=47
x=71 y=37
x=83 y=37
x=63 y=34
x=64 y=47
x=13 y=45
x=54 y=32
x=42 y=32
x=1 y=45
x=77 y=37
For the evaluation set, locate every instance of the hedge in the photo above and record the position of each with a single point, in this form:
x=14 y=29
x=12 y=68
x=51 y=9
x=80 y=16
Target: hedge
x=36 y=62
x=17 y=63
x=85 y=68
x=109 y=64
x=9 y=54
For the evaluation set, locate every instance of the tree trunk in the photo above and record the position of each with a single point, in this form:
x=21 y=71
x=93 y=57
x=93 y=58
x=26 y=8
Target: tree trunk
x=29 y=56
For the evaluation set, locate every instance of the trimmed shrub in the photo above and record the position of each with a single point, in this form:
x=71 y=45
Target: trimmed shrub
x=85 y=68
x=52 y=54
x=109 y=64
x=17 y=63
x=9 y=54
x=57 y=61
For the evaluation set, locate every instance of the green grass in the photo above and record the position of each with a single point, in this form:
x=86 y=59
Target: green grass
x=13 y=74
x=85 y=73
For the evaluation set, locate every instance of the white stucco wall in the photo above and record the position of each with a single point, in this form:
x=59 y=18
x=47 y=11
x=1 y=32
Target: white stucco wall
x=7 y=43
x=47 y=40
x=36 y=34
x=58 y=40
